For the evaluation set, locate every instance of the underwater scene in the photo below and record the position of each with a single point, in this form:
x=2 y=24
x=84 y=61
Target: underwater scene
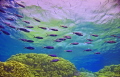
x=59 y=38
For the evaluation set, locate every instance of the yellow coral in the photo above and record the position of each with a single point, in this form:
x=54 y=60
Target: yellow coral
x=109 y=71
x=14 y=69
x=41 y=65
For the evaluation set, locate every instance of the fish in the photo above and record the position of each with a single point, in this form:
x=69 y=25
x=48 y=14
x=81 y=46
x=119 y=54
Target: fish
x=64 y=26
x=68 y=50
x=97 y=53
x=78 y=33
x=88 y=42
x=55 y=60
x=2 y=27
x=11 y=19
x=49 y=47
x=23 y=29
x=2 y=11
x=75 y=43
x=20 y=5
x=5 y=32
x=18 y=15
x=88 y=50
x=52 y=55
x=67 y=37
x=113 y=35
x=30 y=48
x=94 y=35
x=58 y=40
x=29 y=26
x=23 y=40
x=52 y=35
x=31 y=41
x=62 y=39
x=37 y=20
x=11 y=26
x=54 y=29
x=8 y=6
x=27 y=22
x=43 y=28
x=38 y=37
x=110 y=42
x=89 y=39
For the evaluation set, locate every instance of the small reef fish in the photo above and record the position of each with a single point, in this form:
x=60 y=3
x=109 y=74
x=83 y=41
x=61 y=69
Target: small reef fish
x=31 y=41
x=49 y=47
x=43 y=28
x=64 y=26
x=113 y=35
x=62 y=39
x=75 y=43
x=54 y=60
x=2 y=11
x=30 y=48
x=94 y=35
x=8 y=6
x=89 y=39
x=23 y=29
x=52 y=35
x=2 y=27
x=36 y=20
x=20 y=5
x=54 y=29
x=97 y=53
x=11 y=26
x=23 y=40
x=78 y=33
x=88 y=42
x=67 y=37
x=29 y=26
x=11 y=19
x=38 y=37
x=52 y=55
x=18 y=15
x=110 y=42
x=88 y=50
x=58 y=40
x=27 y=22
x=68 y=50
x=8 y=24
x=5 y=32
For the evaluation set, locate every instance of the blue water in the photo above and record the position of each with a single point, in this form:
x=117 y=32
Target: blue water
x=11 y=45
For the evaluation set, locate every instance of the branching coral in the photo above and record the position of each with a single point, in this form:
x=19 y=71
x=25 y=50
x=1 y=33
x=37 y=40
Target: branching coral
x=109 y=71
x=41 y=65
x=14 y=69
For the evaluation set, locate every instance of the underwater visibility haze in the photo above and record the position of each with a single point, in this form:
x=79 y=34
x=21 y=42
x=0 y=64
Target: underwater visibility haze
x=85 y=33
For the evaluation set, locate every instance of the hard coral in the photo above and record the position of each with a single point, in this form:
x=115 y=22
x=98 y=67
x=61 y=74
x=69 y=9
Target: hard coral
x=14 y=69
x=41 y=65
x=109 y=71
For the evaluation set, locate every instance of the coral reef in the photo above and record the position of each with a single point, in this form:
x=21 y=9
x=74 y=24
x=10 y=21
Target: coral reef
x=109 y=71
x=42 y=65
x=14 y=69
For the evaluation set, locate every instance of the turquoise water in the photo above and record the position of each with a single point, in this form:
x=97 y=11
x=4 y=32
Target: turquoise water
x=87 y=17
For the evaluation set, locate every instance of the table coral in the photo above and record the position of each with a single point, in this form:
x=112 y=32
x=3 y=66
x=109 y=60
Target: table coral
x=14 y=69
x=41 y=65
